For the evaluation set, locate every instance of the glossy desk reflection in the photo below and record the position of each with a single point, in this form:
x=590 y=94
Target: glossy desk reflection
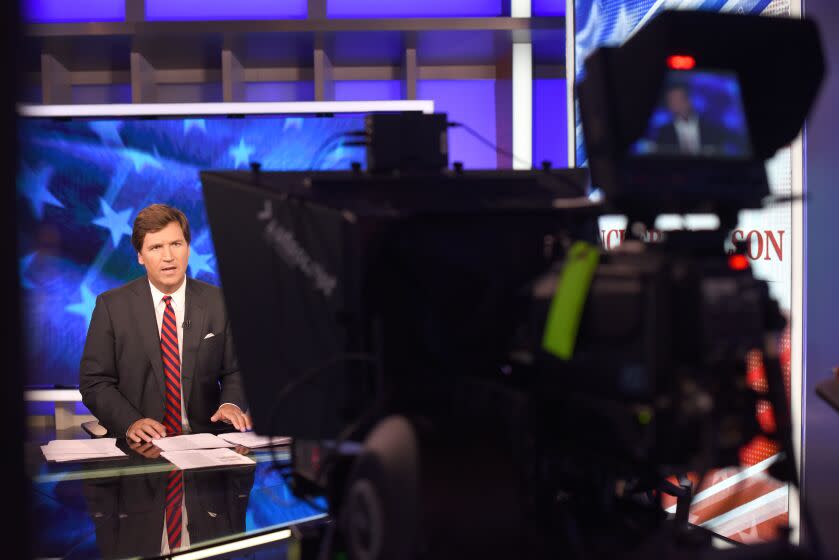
x=115 y=508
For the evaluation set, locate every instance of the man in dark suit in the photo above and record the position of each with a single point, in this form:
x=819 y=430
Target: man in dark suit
x=159 y=359
x=129 y=512
x=688 y=133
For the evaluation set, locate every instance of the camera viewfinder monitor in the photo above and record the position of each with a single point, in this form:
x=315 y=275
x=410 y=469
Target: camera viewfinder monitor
x=676 y=124
x=699 y=114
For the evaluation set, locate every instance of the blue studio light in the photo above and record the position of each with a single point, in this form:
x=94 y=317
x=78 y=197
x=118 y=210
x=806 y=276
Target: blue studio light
x=62 y=11
x=412 y=8
x=550 y=125
x=159 y=10
x=541 y=8
x=279 y=91
x=365 y=90
x=471 y=102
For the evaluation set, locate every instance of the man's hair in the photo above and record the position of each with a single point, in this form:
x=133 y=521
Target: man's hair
x=154 y=218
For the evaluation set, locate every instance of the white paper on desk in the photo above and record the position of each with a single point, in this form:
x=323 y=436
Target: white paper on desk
x=190 y=441
x=63 y=457
x=252 y=440
x=198 y=458
x=82 y=445
x=79 y=449
x=85 y=457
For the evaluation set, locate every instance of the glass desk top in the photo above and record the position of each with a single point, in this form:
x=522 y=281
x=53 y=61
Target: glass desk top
x=114 y=508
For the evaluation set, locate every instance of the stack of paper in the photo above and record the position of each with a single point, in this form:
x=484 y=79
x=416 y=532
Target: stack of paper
x=61 y=450
x=190 y=441
x=193 y=451
x=198 y=458
x=252 y=441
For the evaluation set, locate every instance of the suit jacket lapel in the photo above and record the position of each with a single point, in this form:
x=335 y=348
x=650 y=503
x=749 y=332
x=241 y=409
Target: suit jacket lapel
x=195 y=314
x=144 y=312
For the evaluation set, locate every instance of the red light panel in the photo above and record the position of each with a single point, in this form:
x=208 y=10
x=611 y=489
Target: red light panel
x=738 y=262
x=681 y=62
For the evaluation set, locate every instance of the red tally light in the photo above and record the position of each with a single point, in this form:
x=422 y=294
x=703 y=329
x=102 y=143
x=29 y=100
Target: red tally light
x=738 y=262
x=681 y=62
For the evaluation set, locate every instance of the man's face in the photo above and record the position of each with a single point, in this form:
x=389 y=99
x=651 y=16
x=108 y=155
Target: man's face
x=679 y=103
x=165 y=255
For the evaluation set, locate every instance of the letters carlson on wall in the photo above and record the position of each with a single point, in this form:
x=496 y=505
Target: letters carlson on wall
x=765 y=244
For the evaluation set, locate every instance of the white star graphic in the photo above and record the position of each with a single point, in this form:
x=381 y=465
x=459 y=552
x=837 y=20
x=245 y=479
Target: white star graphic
x=85 y=306
x=199 y=262
x=295 y=123
x=141 y=159
x=34 y=185
x=334 y=157
x=108 y=132
x=241 y=153
x=200 y=124
x=116 y=222
x=25 y=263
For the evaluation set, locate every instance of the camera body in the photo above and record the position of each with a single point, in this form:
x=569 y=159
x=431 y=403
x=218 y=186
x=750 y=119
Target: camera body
x=659 y=366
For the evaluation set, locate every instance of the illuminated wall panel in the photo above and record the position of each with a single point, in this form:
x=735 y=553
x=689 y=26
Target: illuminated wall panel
x=550 y=140
x=548 y=7
x=225 y=9
x=62 y=11
x=471 y=102
x=412 y=8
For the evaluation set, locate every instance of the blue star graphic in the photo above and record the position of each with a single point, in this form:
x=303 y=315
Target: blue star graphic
x=116 y=222
x=293 y=123
x=108 y=132
x=200 y=263
x=241 y=153
x=141 y=159
x=85 y=306
x=34 y=185
x=334 y=157
x=200 y=124
x=25 y=263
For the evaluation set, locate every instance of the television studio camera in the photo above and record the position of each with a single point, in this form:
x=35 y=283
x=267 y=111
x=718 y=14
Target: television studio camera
x=464 y=374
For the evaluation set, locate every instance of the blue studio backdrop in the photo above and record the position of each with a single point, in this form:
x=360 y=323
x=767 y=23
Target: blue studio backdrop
x=82 y=182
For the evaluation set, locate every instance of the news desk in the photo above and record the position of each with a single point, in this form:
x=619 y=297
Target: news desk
x=114 y=508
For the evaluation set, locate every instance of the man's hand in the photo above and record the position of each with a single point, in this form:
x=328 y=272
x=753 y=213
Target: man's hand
x=232 y=414
x=147 y=450
x=145 y=429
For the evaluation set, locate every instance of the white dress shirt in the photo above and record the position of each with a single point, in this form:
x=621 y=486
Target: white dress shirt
x=687 y=131
x=164 y=543
x=179 y=306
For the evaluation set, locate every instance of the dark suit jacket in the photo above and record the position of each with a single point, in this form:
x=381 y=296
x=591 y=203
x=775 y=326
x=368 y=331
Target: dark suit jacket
x=121 y=378
x=128 y=511
x=711 y=138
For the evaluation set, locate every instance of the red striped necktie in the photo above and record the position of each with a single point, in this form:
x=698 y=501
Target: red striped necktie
x=171 y=370
x=174 y=500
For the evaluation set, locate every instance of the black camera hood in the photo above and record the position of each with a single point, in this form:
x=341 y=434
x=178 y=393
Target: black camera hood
x=779 y=65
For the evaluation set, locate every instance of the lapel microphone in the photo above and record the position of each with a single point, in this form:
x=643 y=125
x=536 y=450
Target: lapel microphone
x=186 y=324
